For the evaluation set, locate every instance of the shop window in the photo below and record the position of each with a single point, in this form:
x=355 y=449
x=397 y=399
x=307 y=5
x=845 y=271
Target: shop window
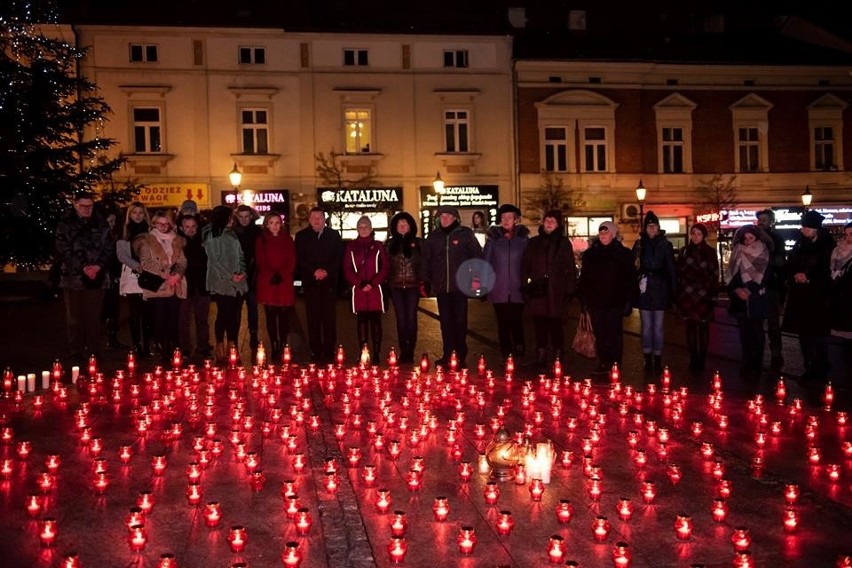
x=255 y=130
x=456 y=130
x=147 y=130
x=556 y=149
x=358 y=127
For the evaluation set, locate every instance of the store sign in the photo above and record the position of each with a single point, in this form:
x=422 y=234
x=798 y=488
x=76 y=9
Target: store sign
x=360 y=199
x=461 y=196
x=710 y=217
x=173 y=194
x=262 y=200
x=785 y=217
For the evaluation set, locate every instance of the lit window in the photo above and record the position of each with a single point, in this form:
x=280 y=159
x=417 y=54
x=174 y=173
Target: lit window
x=555 y=149
x=748 y=148
x=594 y=149
x=672 y=150
x=147 y=130
x=358 y=131
x=455 y=58
x=824 y=148
x=356 y=57
x=252 y=55
x=143 y=53
x=456 y=129
x=255 y=129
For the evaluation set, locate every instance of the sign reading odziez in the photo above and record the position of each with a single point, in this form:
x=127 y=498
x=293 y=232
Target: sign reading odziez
x=361 y=198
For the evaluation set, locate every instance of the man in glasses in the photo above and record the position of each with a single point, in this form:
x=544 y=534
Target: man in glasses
x=84 y=249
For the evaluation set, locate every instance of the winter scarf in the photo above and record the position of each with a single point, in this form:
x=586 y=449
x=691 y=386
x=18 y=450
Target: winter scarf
x=839 y=257
x=749 y=261
x=165 y=240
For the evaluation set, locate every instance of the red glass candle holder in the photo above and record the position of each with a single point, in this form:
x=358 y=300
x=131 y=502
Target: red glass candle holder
x=683 y=526
x=466 y=540
x=536 y=489
x=505 y=523
x=624 y=508
x=158 y=464
x=725 y=488
x=33 y=504
x=167 y=560
x=743 y=559
x=194 y=493
x=383 y=500
x=292 y=556
x=397 y=548
x=600 y=528
x=556 y=549
x=137 y=538
x=368 y=474
x=237 y=538
x=303 y=521
x=491 y=492
x=564 y=511
x=47 y=531
x=741 y=539
x=719 y=510
x=398 y=524
x=649 y=491
x=145 y=501
x=212 y=514
x=791 y=493
x=621 y=555
x=465 y=470
x=441 y=508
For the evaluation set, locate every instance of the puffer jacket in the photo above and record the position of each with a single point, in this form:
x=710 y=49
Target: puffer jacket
x=405 y=254
x=82 y=242
x=224 y=259
x=153 y=258
x=443 y=254
x=656 y=264
x=607 y=277
x=366 y=262
x=505 y=257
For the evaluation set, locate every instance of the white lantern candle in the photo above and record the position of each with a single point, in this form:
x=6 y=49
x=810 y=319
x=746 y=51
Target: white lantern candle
x=45 y=380
x=75 y=373
x=22 y=383
x=31 y=384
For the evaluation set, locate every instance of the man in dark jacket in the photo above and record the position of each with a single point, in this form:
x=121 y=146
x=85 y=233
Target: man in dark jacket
x=607 y=281
x=247 y=232
x=808 y=267
x=775 y=286
x=319 y=254
x=446 y=248
x=196 y=306
x=84 y=249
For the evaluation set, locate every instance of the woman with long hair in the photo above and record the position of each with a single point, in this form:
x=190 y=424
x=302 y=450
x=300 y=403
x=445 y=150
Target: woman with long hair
x=160 y=252
x=226 y=275
x=405 y=279
x=275 y=255
x=136 y=223
x=697 y=285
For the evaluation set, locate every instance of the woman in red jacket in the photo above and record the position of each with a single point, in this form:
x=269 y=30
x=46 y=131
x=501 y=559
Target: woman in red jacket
x=275 y=255
x=365 y=265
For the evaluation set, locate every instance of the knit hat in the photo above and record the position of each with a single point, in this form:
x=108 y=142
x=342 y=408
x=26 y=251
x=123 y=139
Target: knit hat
x=448 y=209
x=650 y=218
x=812 y=219
x=508 y=208
x=188 y=207
x=610 y=226
x=554 y=214
x=701 y=227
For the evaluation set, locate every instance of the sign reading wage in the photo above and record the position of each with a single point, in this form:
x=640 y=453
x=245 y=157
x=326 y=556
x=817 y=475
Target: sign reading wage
x=173 y=194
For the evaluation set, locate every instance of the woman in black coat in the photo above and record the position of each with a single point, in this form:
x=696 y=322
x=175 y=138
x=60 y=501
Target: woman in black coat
x=549 y=278
x=697 y=285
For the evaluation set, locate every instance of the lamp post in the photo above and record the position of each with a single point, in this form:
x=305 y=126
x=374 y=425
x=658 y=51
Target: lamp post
x=438 y=184
x=236 y=177
x=807 y=197
x=641 y=193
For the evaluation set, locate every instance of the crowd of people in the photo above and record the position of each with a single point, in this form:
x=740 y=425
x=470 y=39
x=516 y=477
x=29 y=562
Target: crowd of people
x=171 y=268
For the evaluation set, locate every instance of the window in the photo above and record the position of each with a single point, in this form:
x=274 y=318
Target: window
x=147 y=130
x=455 y=58
x=748 y=148
x=255 y=129
x=356 y=57
x=456 y=128
x=359 y=131
x=672 y=150
x=143 y=53
x=594 y=149
x=252 y=55
x=555 y=149
x=824 y=148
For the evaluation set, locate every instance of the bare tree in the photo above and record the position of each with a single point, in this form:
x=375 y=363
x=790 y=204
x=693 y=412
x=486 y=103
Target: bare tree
x=333 y=173
x=550 y=194
x=717 y=194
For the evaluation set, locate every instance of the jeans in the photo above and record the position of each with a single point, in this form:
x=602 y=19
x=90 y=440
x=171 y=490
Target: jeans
x=321 y=311
x=607 y=324
x=194 y=310
x=452 y=309
x=652 y=331
x=510 y=328
x=405 y=302
x=82 y=308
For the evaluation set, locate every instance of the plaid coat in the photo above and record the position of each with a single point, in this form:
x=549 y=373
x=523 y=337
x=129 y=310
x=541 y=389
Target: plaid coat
x=698 y=281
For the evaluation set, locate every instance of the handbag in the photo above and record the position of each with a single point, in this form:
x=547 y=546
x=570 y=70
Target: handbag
x=584 y=340
x=150 y=281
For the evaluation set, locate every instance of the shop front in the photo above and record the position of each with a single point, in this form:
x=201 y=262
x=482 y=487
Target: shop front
x=346 y=205
x=171 y=195
x=477 y=205
x=263 y=200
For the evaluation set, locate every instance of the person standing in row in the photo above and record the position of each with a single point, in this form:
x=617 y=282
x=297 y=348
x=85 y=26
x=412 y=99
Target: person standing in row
x=276 y=260
x=160 y=252
x=446 y=248
x=319 y=252
x=776 y=287
x=747 y=273
x=136 y=223
x=84 y=249
x=697 y=286
x=549 y=275
x=405 y=278
x=606 y=288
x=840 y=308
x=195 y=308
x=226 y=276
x=808 y=268
x=504 y=251
x=365 y=266
x=247 y=231
x=657 y=284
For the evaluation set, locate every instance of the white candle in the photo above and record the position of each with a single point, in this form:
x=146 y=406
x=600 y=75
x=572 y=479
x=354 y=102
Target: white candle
x=75 y=373
x=22 y=383
x=45 y=380
x=483 y=464
x=31 y=378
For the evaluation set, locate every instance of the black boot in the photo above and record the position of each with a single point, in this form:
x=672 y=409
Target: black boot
x=658 y=364
x=649 y=364
x=112 y=337
x=540 y=360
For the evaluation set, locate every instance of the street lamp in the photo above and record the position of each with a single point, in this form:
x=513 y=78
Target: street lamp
x=807 y=197
x=236 y=177
x=641 y=193
x=438 y=184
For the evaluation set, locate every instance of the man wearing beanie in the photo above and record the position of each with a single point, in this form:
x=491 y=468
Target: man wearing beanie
x=776 y=289
x=446 y=248
x=654 y=256
x=808 y=267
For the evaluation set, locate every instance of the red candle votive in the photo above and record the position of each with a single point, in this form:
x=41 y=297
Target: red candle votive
x=466 y=540
x=47 y=531
x=383 y=500
x=137 y=538
x=465 y=470
x=397 y=547
x=158 y=464
x=303 y=521
x=212 y=514
x=600 y=528
x=719 y=510
x=292 y=556
x=441 y=508
x=791 y=493
x=237 y=538
x=505 y=523
x=536 y=489
x=398 y=524
x=791 y=519
x=491 y=492
x=683 y=526
x=33 y=504
x=71 y=560
x=621 y=555
x=145 y=501
x=564 y=511
x=556 y=549
x=741 y=539
x=649 y=491
x=194 y=493
x=624 y=508
x=167 y=560
x=725 y=488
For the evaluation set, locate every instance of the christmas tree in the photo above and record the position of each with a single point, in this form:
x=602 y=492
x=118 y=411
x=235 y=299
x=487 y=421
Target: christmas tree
x=50 y=119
